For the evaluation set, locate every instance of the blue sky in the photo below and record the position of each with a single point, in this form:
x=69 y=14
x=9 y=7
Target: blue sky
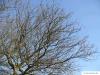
x=87 y=14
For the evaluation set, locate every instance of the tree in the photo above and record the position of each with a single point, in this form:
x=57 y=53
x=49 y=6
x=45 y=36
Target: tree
x=40 y=41
x=2 y=5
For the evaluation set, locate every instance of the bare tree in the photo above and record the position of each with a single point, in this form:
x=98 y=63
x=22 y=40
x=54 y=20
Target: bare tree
x=2 y=5
x=40 y=41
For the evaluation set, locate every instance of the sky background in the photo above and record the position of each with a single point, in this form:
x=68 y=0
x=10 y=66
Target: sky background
x=87 y=14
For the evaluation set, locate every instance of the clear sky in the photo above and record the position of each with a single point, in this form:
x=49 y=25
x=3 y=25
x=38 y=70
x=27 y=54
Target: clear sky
x=87 y=14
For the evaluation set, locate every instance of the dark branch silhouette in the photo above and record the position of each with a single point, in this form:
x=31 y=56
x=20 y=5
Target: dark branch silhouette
x=40 y=41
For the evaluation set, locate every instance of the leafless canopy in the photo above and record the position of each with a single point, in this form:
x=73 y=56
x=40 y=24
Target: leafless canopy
x=42 y=40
